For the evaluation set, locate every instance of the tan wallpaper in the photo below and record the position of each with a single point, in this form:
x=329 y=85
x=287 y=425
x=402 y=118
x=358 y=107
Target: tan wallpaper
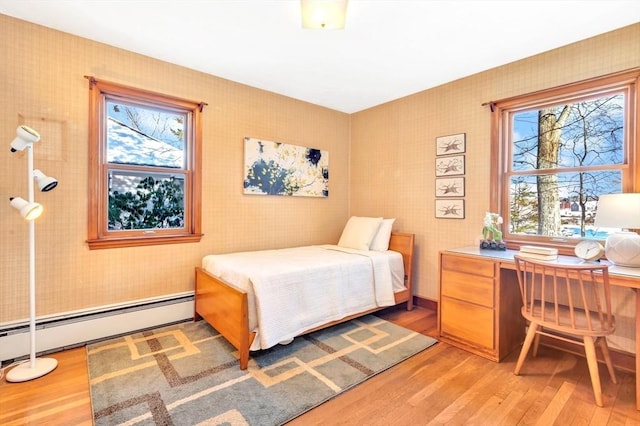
x=393 y=148
x=381 y=163
x=393 y=145
x=42 y=85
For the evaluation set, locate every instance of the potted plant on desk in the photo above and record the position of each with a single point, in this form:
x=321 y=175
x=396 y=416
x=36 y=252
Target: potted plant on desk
x=491 y=233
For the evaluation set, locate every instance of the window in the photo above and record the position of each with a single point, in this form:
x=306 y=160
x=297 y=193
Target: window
x=144 y=168
x=558 y=151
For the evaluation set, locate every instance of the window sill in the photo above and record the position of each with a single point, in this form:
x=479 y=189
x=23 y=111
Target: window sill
x=142 y=241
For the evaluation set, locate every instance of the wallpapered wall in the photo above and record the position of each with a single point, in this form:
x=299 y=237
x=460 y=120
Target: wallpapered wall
x=42 y=85
x=381 y=163
x=393 y=148
x=393 y=145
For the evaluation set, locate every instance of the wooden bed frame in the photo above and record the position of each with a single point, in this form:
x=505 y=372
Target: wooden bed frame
x=225 y=307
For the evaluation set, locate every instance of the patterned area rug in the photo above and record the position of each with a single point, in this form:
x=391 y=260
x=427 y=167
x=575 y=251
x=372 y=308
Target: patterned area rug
x=187 y=374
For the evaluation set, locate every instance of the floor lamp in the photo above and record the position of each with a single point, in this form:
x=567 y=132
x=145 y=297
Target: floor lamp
x=30 y=210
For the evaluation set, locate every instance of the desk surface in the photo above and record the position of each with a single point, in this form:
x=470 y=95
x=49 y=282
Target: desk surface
x=624 y=276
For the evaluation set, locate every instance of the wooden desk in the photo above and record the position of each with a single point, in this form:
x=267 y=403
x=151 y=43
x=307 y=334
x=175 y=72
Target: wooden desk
x=480 y=301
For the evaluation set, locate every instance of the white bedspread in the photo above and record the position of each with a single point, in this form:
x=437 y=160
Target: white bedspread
x=292 y=290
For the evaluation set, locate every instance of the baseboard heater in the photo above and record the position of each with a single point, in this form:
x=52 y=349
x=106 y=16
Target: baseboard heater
x=73 y=329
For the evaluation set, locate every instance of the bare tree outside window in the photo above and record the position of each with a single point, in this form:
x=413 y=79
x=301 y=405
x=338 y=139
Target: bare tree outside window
x=549 y=144
x=561 y=150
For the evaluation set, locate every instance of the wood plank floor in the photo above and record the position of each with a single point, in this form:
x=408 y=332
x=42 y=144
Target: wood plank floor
x=442 y=385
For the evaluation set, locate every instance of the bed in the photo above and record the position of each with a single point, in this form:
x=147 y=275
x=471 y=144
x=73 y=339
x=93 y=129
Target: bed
x=254 y=311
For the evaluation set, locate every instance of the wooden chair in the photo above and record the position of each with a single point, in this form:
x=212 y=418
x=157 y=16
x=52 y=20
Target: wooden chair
x=571 y=303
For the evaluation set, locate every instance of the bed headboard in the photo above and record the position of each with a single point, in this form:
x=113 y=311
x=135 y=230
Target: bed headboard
x=403 y=243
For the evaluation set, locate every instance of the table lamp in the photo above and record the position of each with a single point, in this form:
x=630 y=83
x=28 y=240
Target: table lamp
x=621 y=211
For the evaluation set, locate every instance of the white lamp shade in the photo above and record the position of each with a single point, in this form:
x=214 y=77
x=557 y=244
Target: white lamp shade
x=621 y=211
x=25 y=135
x=45 y=183
x=29 y=211
x=323 y=14
x=618 y=211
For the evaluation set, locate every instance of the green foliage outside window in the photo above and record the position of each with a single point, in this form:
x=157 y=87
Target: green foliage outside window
x=155 y=204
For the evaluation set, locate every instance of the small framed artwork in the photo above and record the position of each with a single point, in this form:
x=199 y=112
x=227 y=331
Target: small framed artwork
x=450 y=187
x=449 y=209
x=452 y=144
x=450 y=166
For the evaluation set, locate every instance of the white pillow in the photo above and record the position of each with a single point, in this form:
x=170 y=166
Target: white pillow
x=381 y=239
x=359 y=232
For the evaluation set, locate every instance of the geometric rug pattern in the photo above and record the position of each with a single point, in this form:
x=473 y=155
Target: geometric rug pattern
x=188 y=374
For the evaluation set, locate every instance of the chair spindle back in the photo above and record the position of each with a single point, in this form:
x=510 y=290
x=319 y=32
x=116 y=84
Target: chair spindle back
x=566 y=297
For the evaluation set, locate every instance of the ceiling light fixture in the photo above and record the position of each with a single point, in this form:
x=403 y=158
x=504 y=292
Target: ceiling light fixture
x=323 y=14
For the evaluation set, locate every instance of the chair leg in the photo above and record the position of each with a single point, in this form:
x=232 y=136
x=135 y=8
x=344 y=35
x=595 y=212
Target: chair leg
x=531 y=334
x=592 y=362
x=602 y=342
x=536 y=345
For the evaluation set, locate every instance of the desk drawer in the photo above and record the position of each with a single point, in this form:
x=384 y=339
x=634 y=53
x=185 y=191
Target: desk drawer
x=468 y=265
x=467 y=322
x=470 y=288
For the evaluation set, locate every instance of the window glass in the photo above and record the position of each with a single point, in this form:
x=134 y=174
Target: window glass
x=576 y=197
x=144 y=171
x=145 y=201
x=144 y=136
x=585 y=136
x=561 y=150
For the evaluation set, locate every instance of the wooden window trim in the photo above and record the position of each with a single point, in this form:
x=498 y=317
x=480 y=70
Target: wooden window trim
x=499 y=201
x=98 y=237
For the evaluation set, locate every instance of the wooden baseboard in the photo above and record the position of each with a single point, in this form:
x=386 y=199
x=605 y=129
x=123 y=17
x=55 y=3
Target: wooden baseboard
x=425 y=303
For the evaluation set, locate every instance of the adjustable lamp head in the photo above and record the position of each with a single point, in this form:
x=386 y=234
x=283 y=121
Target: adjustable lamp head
x=29 y=211
x=25 y=135
x=45 y=183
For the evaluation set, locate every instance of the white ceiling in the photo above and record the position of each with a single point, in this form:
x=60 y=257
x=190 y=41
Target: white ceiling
x=389 y=48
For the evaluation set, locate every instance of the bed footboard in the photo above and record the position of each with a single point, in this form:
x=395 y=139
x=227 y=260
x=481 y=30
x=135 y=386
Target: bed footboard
x=225 y=308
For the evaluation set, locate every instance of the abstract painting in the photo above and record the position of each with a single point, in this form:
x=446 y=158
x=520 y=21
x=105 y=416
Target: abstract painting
x=275 y=168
